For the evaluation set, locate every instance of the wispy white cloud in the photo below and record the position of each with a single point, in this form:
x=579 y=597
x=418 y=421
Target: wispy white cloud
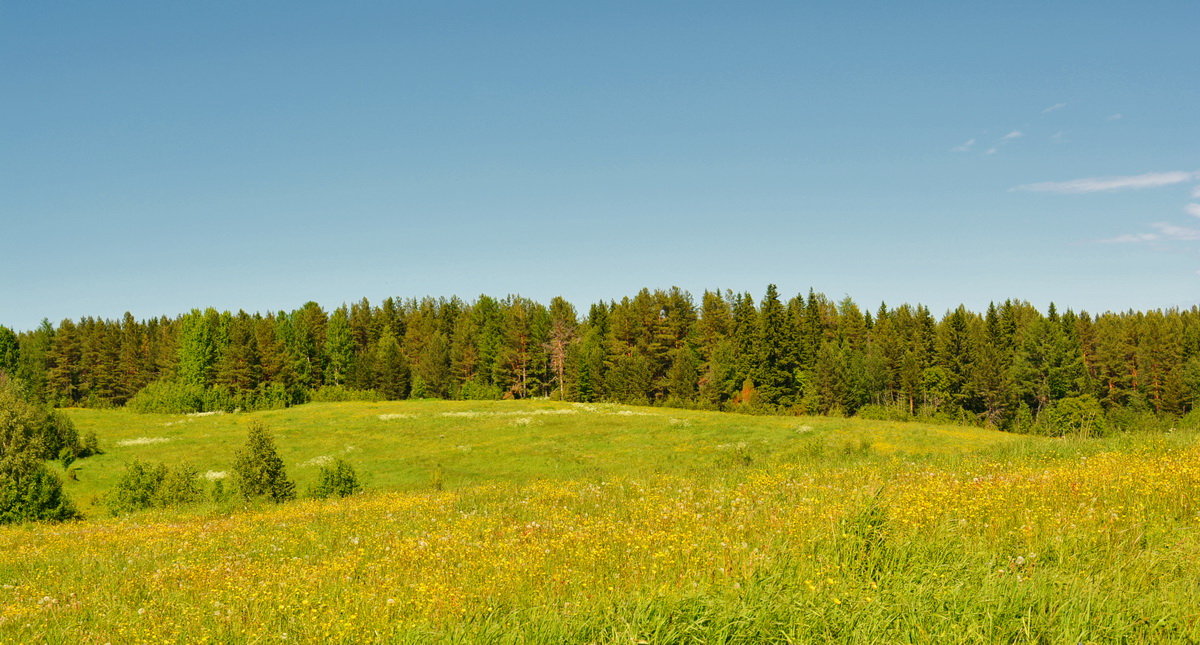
x=990 y=151
x=1015 y=134
x=1130 y=238
x=965 y=147
x=1173 y=232
x=1196 y=192
x=1101 y=184
x=1115 y=117
x=1054 y=108
x=1193 y=210
x=1165 y=232
x=1058 y=137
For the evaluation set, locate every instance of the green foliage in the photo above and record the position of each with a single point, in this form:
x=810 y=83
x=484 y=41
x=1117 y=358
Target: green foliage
x=1076 y=415
x=145 y=485
x=176 y=397
x=803 y=354
x=29 y=492
x=336 y=393
x=10 y=351
x=36 y=429
x=138 y=487
x=200 y=344
x=335 y=480
x=180 y=485
x=883 y=413
x=478 y=391
x=339 y=348
x=258 y=469
x=392 y=375
x=30 y=433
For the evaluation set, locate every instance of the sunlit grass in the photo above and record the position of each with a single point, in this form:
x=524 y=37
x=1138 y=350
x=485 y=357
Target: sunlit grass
x=758 y=530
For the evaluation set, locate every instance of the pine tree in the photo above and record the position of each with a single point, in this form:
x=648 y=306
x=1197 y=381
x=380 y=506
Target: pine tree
x=63 y=378
x=563 y=329
x=33 y=366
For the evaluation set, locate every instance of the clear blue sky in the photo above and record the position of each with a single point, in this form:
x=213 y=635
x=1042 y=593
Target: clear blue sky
x=160 y=156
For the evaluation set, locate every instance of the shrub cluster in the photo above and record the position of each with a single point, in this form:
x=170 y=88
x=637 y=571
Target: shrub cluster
x=145 y=485
x=29 y=434
x=174 y=397
x=338 y=393
x=335 y=480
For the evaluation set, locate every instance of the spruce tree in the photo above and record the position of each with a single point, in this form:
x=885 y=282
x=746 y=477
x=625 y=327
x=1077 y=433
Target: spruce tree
x=391 y=371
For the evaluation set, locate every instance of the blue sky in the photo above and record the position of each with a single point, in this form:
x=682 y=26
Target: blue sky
x=156 y=157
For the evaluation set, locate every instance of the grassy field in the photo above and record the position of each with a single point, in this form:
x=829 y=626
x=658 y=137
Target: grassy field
x=401 y=445
x=612 y=524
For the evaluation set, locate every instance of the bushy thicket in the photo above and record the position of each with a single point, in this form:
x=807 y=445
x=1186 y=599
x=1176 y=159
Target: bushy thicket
x=29 y=434
x=337 y=393
x=146 y=485
x=31 y=493
x=336 y=479
x=175 y=397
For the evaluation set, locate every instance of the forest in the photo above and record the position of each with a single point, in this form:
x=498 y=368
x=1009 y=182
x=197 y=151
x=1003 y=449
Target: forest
x=1011 y=367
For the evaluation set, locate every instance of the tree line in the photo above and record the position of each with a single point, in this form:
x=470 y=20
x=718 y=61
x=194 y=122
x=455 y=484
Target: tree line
x=1011 y=366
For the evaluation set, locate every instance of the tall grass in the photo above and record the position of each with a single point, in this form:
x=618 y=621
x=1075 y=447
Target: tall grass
x=842 y=542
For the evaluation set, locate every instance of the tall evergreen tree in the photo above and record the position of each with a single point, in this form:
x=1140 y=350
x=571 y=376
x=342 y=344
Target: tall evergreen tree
x=339 y=348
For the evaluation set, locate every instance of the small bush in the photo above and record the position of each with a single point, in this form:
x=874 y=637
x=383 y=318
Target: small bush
x=219 y=492
x=180 y=486
x=883 y=413
x=336 y=480
x=336 y=393
x=145 y=485
x=258 y=469
x=90 y=445
x=138 y=487
x=1136 y=417
x=476 y=391
x=173 y=397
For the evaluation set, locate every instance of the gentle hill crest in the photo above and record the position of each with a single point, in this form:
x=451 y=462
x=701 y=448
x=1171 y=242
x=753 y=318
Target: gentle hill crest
x=400 y=445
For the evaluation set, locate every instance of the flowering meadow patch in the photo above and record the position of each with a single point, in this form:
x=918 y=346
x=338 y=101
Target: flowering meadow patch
x=1088 y=548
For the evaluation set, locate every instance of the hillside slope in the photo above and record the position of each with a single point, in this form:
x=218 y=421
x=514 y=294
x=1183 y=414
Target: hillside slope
x=399 y=445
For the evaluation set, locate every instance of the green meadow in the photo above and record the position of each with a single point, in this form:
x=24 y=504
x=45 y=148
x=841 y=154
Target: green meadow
x=549 y=522
x=407 y=445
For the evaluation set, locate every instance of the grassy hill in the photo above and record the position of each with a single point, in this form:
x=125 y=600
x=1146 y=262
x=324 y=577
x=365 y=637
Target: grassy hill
x=562 y=523
x=399 y=445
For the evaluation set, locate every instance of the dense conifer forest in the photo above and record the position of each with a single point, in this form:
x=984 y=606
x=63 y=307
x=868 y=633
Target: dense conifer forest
x=1011 y=366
